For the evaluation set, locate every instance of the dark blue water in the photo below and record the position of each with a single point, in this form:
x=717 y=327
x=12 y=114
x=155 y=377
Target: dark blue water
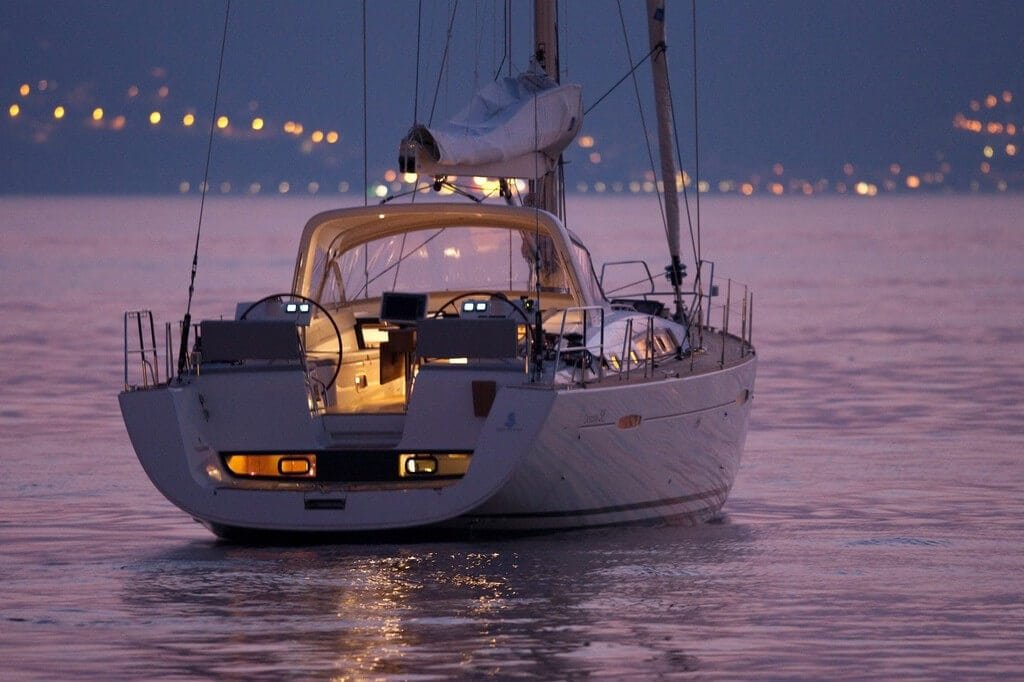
x=874 y=530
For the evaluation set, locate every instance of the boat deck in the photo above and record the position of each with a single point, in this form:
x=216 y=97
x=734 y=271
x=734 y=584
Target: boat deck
x=706 y=357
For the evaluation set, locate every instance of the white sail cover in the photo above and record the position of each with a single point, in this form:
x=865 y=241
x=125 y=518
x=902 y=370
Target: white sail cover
x=512 y=128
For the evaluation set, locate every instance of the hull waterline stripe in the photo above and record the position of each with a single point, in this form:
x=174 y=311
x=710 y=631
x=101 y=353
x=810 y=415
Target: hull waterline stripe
x=718 y=492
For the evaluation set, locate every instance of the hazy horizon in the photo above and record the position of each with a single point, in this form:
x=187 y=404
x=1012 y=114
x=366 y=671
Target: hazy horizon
x=805 y=95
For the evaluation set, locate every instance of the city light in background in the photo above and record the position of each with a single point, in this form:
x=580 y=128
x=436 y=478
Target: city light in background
x=88 y=111
x=991 y=123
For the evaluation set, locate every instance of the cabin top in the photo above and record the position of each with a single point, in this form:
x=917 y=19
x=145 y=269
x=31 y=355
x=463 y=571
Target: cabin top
x=359 y=253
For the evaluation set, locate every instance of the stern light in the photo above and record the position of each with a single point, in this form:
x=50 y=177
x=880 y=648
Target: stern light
x=418 y=465
x=293 y=466
x=271 y=465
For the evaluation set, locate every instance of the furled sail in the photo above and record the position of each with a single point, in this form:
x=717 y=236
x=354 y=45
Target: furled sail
x=512 y=128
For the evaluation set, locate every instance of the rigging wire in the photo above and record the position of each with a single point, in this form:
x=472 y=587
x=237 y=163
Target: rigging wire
x=506 y=58
x=187 y=320
x=643 y=116
x=416 y=90
x=366 y=174
x=694 y=241
x=444 y=61
x=478 y=31
x=696 y=128
x=629 y=73
x=508 y=35
x=679 y=161
x=416 y=96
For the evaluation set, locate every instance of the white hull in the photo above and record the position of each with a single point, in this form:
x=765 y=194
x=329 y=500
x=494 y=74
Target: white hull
x=544 y=457
x=438 y=364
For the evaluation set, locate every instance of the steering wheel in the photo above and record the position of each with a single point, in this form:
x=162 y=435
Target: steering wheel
x=491 y=294
x=306 y=299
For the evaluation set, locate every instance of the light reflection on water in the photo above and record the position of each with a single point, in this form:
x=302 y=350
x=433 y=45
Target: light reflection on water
x=872 y=531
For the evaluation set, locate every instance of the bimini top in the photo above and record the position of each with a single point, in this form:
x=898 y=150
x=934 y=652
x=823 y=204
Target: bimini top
x=354 y=254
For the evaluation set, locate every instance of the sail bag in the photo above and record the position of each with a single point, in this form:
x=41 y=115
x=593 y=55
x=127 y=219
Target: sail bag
x=512 y=128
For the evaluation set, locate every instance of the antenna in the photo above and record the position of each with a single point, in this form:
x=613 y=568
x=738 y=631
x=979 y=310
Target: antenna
x=186 y=323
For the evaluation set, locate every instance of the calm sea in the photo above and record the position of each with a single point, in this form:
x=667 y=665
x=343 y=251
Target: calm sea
x=875 y=530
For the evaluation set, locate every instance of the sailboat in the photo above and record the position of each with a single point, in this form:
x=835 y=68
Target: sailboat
x=450 y=365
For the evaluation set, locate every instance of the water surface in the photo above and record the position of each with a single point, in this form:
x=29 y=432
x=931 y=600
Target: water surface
x=874 y=530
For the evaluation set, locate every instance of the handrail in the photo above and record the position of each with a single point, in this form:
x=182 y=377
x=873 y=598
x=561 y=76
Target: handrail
x=149 y=367
x=647 y=271
x=735 y=310
x=584 y=348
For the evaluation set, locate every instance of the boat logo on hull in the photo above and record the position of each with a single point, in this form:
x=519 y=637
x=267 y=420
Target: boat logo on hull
x=510 y=423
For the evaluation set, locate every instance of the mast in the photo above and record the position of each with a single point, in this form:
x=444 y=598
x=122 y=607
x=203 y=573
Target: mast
x=547 y=190
x=663 y=105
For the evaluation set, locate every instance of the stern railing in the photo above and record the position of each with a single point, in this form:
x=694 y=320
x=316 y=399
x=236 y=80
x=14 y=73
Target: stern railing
x=141 y=365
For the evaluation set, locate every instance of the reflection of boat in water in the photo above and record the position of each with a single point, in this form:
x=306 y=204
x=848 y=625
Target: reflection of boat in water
x=442 y=364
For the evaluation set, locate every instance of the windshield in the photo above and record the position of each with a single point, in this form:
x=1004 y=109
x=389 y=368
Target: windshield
x=438 y=259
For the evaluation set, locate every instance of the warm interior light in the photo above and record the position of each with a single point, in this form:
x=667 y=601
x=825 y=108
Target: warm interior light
x=416 y=465
x=97 y=114
x=420 y=464
x=58 y=112
x=222 y=122
x=293 y=466
x=188 y=120
x=154 y=117
x=257 y=124
x=271 y=466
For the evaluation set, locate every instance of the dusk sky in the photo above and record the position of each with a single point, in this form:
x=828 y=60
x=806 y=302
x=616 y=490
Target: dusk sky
x=809 y=85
